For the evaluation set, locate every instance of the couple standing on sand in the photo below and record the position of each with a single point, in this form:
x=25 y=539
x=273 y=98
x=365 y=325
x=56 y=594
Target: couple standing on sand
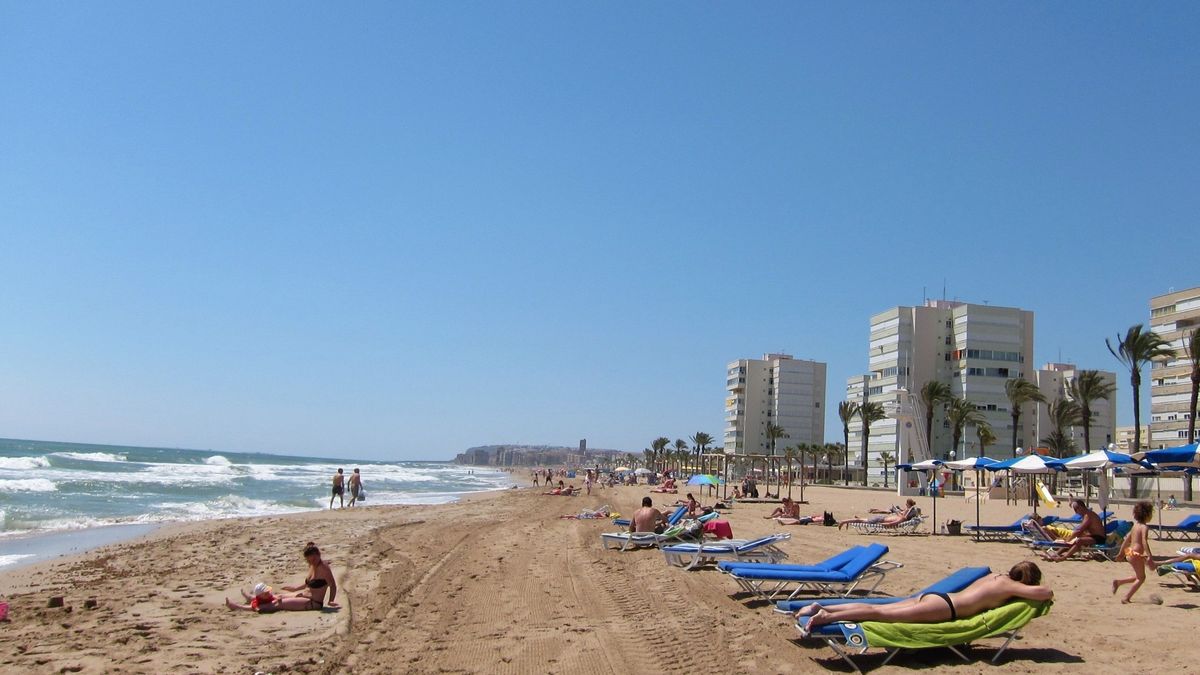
x=339 y=489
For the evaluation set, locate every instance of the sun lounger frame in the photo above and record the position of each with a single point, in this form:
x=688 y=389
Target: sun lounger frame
x=846 y=653
x=767 y=551
x=770 y=589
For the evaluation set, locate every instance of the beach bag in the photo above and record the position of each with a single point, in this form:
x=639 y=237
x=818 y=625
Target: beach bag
x=827 y=519
x=362 y=495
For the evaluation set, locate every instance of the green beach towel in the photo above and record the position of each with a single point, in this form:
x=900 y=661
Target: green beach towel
x=925 y=635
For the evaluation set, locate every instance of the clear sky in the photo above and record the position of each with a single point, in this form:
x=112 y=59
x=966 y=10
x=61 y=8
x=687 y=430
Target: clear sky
x=395 y=230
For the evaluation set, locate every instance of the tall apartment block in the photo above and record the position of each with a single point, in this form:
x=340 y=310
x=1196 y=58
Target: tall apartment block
x=777 y=388
x=1054 y=381
x=1173 y=316
x=972 y=348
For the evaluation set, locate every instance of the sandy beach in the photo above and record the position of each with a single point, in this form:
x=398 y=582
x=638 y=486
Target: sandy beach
x=497 y=583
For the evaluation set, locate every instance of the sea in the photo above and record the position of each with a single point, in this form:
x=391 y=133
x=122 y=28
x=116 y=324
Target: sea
x=48 y=487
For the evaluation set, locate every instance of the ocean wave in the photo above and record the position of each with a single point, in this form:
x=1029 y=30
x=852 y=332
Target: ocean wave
x=23 y=463
x=217 y=460
x=27 y=485
x=6 y=560
x=91 y=456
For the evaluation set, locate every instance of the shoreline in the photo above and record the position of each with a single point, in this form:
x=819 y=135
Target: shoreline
x=31 y=547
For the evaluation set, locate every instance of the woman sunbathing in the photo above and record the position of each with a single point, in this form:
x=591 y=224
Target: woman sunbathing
x=799 y=519
x=790 y=509
x=1022 y=581
x=668 y=486
x=892 y=520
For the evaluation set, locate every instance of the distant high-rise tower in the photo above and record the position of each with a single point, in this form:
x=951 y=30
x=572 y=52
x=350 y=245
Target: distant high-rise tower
x=974 y=349
x=777 y=388
x=1173 y=316
x=1054 y=380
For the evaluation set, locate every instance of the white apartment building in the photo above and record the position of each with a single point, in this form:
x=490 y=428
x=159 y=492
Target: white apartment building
x=1173 y=316
x=973 y=348
x=1053 y=380
x=777 y=388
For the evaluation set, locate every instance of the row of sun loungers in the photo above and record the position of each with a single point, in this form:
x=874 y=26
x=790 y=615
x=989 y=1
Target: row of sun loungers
x=757 y=567
x=1187 y=529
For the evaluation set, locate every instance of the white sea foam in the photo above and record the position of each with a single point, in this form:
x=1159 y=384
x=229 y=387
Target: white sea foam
x=27 y=485
x=91 y=456
x=6 y=560
x=23 y=463
x=217 y=460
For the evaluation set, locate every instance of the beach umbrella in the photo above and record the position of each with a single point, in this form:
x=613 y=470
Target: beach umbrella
x=1027 y=464
x=641 y=471
x=1183 y=455
x=704 y=479
x=978 y=464
x=1100 y=460
x=621 y=468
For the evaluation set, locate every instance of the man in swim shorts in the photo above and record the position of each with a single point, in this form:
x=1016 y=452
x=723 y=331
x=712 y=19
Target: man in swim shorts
x=647 y=518
x=339 y=490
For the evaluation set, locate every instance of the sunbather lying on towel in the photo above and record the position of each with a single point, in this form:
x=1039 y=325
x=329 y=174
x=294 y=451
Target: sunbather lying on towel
x=986 y=593
x=910 y=511
x=563 y=491
x=790 y=509
x=800 y=520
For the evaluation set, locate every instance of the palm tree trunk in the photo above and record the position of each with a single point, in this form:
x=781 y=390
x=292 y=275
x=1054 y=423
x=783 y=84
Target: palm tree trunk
x=1016 y=418
x=1136 y=380
x=1187 y=478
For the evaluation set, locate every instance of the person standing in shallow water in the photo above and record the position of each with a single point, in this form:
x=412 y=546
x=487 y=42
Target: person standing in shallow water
x=355 y=486
x=339 y=490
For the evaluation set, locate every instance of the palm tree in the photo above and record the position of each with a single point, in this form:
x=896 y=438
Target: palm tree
x=1020 y=392
x=983 y=431
x=660 y=447
x=1089 y=386
x=962 y=412
x=1134 y=351
x=1191 y=347
x=789 y=453
x=700 y=442
x=868 y=412
x=832 y=453
x=681 y=446
x=774 y=433
x=933 y=394
x=801 y=451
x=649 y=457
x=1064 y=414
x=847 y=410
x=887 y=458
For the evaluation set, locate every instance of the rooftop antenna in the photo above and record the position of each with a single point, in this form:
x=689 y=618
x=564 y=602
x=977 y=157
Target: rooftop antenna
x=943 y=289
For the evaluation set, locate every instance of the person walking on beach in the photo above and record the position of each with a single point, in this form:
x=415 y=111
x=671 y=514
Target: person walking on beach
x=1136 y=551
x=355 y=486
x=339 y=490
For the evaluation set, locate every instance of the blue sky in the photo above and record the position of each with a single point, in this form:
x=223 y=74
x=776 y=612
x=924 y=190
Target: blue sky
x=395 y=230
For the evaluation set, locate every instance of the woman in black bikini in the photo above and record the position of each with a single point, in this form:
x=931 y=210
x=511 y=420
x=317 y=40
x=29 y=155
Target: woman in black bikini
x=319 y=581
x=987 y=593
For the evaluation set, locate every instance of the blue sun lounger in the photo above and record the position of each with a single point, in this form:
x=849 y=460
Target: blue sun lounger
x=690 y=555
x=950 y=584
x=672 y=519
x=997 y=532
x=847 y=639
x=830 y=563
x=1188 y=528
x=770 y=581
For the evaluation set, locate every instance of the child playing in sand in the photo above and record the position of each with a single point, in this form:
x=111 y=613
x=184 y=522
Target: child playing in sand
x=1136 y=550
x=262 y=601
